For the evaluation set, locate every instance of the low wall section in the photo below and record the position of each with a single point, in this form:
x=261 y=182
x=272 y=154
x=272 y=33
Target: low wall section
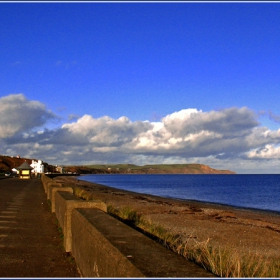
x=65 y=203
x=105 y=247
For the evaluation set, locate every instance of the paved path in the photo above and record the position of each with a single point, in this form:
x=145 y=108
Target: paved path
x=30 y=245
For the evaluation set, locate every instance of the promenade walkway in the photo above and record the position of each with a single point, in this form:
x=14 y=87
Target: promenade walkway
x=30 y=245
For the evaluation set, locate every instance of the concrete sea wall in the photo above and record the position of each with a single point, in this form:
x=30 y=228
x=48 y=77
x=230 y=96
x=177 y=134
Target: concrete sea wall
x=103 y=246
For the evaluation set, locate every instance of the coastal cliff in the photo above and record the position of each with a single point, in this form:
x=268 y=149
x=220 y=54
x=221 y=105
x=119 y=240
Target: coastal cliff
x=146 y=169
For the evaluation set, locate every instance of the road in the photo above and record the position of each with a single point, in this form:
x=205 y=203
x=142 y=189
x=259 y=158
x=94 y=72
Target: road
x=30 y=241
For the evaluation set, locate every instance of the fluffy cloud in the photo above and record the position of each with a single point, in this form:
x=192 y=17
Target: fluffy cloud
x=19 y=115
x=228 y=138
x=195 y=133
x=231 y=121
x=265 y=152
x=105 y=131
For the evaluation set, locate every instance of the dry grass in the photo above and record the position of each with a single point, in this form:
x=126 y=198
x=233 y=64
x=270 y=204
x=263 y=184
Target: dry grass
x=228 y=262
x=82 y=193
x=223 y=262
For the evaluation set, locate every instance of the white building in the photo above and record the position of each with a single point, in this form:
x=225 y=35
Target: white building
x=38 y=167
x=59 y=169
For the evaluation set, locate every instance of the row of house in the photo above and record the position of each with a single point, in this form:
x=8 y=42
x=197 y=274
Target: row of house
x=25 y=170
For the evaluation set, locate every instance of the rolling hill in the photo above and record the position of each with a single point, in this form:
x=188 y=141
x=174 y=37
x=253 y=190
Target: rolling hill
x=7 y=163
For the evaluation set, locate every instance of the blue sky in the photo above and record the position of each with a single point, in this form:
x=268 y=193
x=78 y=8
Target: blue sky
x=131 y=73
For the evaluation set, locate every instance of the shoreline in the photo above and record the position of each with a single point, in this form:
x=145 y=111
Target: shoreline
x=224 y=226
x=251 y=209
x=202 y=204
x=211 y=204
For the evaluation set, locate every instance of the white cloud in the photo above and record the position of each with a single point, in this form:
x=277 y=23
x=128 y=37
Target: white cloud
x=266 y=152
x=191 y=132
x=105 y=131
x=227 y=139
x=230 y=121
x=19 y=115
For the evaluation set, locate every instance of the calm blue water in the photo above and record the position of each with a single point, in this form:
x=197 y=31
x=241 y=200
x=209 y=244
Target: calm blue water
x=250 y=191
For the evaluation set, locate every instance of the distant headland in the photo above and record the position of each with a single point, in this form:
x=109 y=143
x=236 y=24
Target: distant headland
x=7 y=163
x=147 y=169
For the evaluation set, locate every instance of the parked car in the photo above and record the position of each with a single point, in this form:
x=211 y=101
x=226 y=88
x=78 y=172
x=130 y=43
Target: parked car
x=7 y=174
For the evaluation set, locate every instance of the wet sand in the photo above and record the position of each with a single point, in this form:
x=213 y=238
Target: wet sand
x=224 y=226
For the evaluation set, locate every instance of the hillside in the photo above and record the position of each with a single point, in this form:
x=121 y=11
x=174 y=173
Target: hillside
x=7 y=163
x=147 y=169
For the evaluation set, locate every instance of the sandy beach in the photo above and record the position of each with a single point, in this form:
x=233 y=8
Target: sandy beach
x=224 y=226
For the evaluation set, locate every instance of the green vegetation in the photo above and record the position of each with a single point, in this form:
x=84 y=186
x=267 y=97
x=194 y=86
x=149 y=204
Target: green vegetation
x=145 y=167
x=154 y=169
x=106 y=166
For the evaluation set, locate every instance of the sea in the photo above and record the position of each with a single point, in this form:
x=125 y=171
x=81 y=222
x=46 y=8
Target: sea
x=261 y=192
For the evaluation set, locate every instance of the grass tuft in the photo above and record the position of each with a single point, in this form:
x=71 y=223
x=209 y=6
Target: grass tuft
x=223 y=262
